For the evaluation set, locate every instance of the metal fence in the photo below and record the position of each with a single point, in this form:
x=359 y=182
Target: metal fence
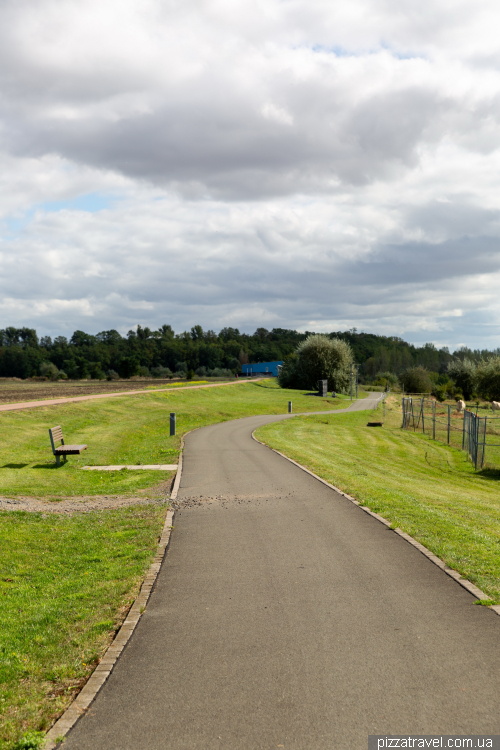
x=479 y=436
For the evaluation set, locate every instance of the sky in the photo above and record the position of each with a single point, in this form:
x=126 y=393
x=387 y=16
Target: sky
x=275 y=163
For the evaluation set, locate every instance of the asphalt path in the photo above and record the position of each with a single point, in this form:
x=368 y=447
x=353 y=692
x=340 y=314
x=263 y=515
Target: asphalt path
x=285 y=616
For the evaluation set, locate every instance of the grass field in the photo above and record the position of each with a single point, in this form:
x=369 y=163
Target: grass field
x=66 y=581
x=427 y=489
x=65 y=585
x=125 y=430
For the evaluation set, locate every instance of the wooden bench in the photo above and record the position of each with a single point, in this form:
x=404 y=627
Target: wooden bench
x=63 y=450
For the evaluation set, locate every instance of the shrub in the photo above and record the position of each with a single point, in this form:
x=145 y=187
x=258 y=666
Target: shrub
x=445 y=388
x=112 y=375
x=464 y=375
x=202 y=372
x=318 y=358
x=161 y=372
x=488 y=379
x=181 y=367
x=389 y=377
x=49 y=370
x=144 y=372
x=416 y=380
x=440 y=393
x=219 y=372
x=190 y=374
x=31 y=741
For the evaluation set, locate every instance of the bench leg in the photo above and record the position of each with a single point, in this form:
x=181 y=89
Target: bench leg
x=58 y=460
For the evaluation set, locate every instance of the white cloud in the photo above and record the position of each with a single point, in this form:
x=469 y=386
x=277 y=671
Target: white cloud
x=272 y=163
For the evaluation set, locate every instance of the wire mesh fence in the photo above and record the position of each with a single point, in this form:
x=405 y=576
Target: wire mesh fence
x=479 y=436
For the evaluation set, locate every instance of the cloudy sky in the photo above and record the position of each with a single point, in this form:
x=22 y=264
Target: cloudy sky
x=314 y=165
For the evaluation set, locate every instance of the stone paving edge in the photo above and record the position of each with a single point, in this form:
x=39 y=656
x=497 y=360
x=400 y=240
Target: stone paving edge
x=110 y=657
x=467 y=585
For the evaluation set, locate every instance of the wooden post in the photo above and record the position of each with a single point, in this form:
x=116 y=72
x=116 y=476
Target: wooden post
x=449 y=416
x=172 y=423
x=289 y=407
x=433 y=420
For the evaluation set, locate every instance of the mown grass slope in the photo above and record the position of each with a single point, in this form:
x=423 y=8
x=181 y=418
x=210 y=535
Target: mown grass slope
x=428 y=489
x=65 y=584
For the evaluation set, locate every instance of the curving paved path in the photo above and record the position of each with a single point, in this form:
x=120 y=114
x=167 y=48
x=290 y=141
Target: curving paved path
x=285 y=616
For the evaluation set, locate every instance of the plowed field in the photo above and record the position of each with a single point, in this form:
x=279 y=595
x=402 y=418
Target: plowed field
x=12 y=391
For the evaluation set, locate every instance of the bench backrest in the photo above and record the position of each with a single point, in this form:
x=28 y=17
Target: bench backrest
x=55 y=435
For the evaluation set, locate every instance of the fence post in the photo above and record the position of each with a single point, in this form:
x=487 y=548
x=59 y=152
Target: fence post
x=433 y=420
x=476 y=431
x=463 y=431
x=403 y=408
x=449 y=415
x=172 y=423
x=484 y=441
x=289 y=407
x=423 y=417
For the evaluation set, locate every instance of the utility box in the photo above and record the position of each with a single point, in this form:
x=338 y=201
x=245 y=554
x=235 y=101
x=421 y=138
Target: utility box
x=322 y=387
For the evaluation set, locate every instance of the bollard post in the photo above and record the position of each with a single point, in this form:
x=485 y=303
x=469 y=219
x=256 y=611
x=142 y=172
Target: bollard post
x=289 y=407
x=172 y=423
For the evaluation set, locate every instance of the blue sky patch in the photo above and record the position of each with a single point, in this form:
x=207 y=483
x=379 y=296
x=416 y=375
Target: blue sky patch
x=91 y=203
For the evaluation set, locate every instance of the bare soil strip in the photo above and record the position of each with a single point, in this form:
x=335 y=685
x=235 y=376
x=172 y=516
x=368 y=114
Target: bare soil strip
x=87 y=503
x=13 y=391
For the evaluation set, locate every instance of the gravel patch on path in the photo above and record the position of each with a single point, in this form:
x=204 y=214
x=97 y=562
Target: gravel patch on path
x=196 y=501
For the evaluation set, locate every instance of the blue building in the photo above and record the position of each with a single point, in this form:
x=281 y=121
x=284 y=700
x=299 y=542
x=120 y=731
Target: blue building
x=262 y=368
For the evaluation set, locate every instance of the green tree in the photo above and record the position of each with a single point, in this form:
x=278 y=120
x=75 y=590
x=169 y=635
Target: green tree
x=318 y=358
x=416 y=380
x=463 y=372
x=488 y=379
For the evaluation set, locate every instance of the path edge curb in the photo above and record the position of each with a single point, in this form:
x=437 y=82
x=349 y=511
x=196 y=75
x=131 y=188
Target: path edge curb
x=466 y=584
x=106 y=665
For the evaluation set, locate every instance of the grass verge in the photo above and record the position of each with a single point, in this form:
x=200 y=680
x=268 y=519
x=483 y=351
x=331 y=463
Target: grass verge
x=427 y=489
x=66 y=584
x=126 y=430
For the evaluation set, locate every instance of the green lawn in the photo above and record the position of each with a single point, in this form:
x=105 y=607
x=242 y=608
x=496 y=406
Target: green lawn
x=427 y=489
x=65 y=585
x=125 y=430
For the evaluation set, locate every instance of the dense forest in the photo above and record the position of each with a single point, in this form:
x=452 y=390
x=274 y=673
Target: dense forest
x=163 y=352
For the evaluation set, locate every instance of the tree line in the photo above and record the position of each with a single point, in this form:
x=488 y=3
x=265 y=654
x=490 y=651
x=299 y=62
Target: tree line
x=164 y=353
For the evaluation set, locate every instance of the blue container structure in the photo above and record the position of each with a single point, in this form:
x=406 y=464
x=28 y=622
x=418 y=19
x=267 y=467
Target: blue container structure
x=262 y=368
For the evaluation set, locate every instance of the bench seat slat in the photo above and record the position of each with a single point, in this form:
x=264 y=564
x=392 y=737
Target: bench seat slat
x=70 y=449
